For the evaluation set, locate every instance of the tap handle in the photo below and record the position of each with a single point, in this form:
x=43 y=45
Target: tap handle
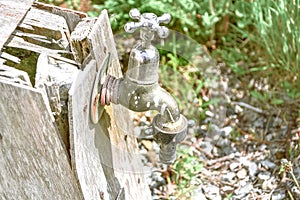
x=130 y=27
x=165 y=18
x=135 y=13
x=148 y=20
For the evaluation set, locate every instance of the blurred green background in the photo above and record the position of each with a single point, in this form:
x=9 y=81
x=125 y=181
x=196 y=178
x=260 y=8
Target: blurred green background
x=252 y=39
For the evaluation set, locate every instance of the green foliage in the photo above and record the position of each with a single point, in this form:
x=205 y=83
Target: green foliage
x=184 y=82
x=186 y=171
x=291 y=91
x=269 y=32
x=229 y=196
x=193 y=18
x=235 y=135
x=283 y=41
x=261 y=38
x=266 y=97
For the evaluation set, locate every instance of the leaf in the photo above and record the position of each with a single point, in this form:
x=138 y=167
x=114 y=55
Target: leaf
x=257 y=95
x=277 y=101
x=209 y=20
x=238 y=13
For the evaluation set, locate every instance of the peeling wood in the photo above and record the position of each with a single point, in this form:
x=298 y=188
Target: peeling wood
x=46 y=24
x=53 y=79
x=101 y=41
x=2 y=61
x=13 y=75
x=41 y=32
x=72 y=17
x=20 y=43
x=45 y=29
x=79 y=39
x=10 y=57
x=11 y=13
x=43 y=40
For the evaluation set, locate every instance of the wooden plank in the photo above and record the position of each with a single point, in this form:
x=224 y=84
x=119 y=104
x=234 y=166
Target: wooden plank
x=33 y=162
x=71 y=16
x=84 y=154
x=125 y=160
x=46 y=24
x=2 y=61
x=43 y=32
x=42 y=40
x=53 y=79
x=79 y=39
x=10 y=57
x=11 y=13
x=18 y=42
x=13 y=75
x=104 y=155
x=45 y=29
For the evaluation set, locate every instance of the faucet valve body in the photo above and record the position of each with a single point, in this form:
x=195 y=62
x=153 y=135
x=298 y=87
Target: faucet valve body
x=144 y=57
x=139 y=89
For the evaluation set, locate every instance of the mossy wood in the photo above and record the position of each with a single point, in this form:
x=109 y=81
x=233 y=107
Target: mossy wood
x=50 y=149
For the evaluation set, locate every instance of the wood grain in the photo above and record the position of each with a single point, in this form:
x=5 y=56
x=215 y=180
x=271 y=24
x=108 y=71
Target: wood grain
x=104 y=155
x=33 y=162
x=11 y=13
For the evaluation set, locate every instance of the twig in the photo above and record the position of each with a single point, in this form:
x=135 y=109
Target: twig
x=222 y=159
x=294 y=178
x=288 y=140
x=290 y=194
x=243 y=104
x=267 y=127
x=288 y=167
x=258 y=140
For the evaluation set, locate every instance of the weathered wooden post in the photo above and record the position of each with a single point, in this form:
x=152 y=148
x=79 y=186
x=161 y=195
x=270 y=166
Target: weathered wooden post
x=109 y=143
x=49 y=148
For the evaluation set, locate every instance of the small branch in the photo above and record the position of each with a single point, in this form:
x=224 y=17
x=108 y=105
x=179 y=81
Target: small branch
x=295 y=179
x=290 y=194
x=243 y=104
x=222 y=159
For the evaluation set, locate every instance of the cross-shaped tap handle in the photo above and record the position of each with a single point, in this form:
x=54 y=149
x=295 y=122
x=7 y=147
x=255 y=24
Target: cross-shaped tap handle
x=149 y=21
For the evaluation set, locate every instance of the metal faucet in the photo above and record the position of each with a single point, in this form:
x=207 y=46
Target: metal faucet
x=139 y=89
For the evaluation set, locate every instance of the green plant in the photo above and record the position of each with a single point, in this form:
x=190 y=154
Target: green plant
x=287 y=167
x=182 y=79
x=186 y=170
x=267 y=97
x=229 y=196
x=193 y=18
x=282 y=43
x=253 y=38
x=235 y=135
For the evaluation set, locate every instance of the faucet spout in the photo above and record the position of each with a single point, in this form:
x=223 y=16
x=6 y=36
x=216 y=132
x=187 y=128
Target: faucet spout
x=169 y=125
x=164 y=103
x=142 y=98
